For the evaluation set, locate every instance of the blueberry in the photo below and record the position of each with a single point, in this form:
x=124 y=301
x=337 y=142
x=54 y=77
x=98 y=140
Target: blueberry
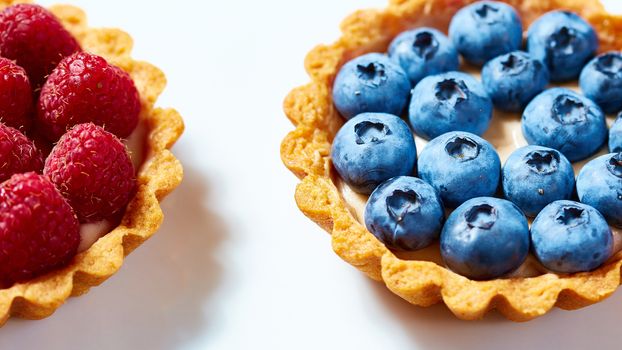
x=422 y=52
x=485 y=238
x=562 y=119
x=486 y=29
x=371 y=83
x=564 y=42
x=371 y=148
x=615 y=135
x=534 y=176
x=571 y=237
x=599 y=184
x=513 y=79
x=601 y=80
x=460 y=166
x=404 y=213
x=452 y=101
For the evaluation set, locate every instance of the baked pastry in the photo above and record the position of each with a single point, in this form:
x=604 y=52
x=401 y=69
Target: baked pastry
x=420 y=278
x=158 y=172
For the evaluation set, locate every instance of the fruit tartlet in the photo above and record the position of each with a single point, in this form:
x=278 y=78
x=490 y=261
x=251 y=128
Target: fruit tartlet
x=457 y=151
x=85 y=155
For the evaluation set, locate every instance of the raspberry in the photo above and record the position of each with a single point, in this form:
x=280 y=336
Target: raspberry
x=85 y=88
x=93 y=170
x=32 y=36
x=18 y=154
x=16 y=105
x=38 y=229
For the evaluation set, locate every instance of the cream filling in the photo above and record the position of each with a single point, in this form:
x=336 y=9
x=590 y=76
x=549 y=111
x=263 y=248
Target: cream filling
x=135 y=144
x=505 y=135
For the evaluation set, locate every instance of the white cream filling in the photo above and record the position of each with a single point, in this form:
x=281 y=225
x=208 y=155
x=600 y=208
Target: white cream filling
x=91 y=232
x=135 y=143
x=505 y=135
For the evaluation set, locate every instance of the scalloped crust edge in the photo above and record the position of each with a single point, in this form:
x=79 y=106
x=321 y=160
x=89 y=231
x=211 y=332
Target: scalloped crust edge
x=160 y=174
x=306 y=152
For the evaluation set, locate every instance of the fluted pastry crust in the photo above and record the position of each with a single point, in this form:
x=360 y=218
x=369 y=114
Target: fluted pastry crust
x=160 y=174
x=306 y=152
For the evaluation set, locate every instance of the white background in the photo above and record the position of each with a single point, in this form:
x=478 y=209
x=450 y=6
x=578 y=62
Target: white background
x=236 y=265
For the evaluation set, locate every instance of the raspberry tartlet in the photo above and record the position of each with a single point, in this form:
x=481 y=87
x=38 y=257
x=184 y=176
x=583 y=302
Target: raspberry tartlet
x=421 y=277
x=85 y=153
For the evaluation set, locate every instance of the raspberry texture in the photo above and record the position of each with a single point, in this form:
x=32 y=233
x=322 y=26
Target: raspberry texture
x=16 y=105
x=18 y=154
x=93 y=170
x=85 y=88
x=38 y=229
x=32 y=36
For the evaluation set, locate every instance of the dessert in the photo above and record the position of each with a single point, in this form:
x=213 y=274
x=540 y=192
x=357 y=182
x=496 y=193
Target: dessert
x=422 y=277
x=68 y=223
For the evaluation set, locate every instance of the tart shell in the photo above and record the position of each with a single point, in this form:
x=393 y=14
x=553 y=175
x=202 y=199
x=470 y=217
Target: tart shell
x=160 y=174
x=306 y=152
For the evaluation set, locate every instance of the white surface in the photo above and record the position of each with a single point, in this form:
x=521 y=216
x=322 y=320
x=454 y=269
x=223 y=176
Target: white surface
x=235 y=265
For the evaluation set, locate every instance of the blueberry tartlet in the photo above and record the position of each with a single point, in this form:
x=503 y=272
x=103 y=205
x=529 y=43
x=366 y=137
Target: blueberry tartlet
x=482 y=211
x=86 y=155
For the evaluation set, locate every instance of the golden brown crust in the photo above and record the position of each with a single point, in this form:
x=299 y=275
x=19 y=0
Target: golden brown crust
x=159 y=175
x=306 y=152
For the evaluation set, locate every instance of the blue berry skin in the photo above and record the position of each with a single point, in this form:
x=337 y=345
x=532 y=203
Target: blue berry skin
x=601 y=81
x=371 y=83
x=452 y=101
x=535 y=176
x=514 y=79
x=599 y=185
x=422 y=52
x=372 y=148
x=486 y=29
x=405 y=213
x=571 y=237
x=485 y=238
x=564 y=42
x=460 y=166
x=615 y=135
x=562 y=119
